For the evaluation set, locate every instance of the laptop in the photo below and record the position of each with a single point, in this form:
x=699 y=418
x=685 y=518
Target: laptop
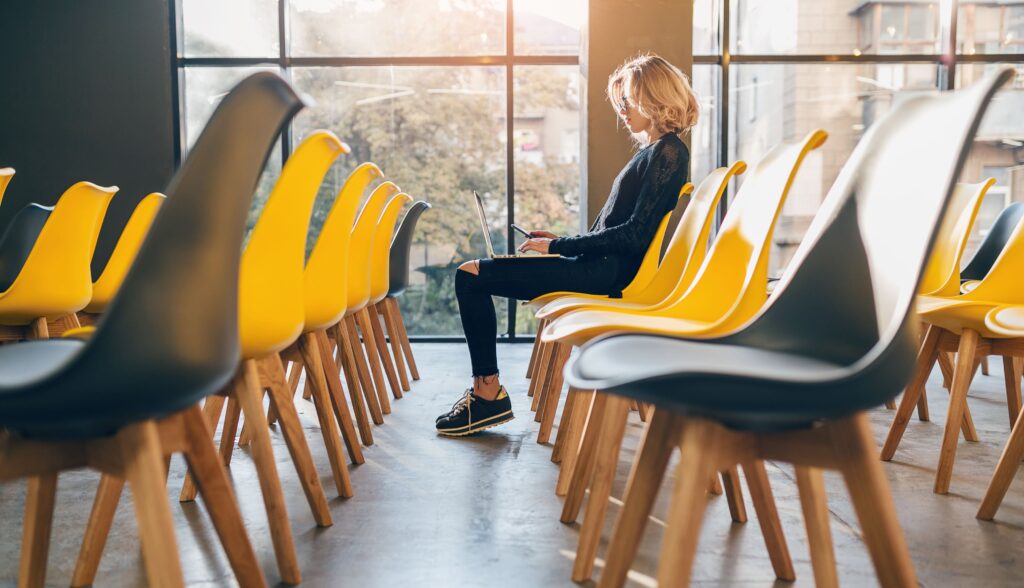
x=487 y=236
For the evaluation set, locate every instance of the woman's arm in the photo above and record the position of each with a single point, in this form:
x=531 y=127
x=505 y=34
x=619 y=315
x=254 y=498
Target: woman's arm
x=658 y=193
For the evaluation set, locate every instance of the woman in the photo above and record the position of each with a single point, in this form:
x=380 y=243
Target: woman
x=655 y=101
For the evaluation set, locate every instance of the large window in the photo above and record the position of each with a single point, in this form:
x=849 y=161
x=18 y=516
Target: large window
x=839 y=65
x=446 y=96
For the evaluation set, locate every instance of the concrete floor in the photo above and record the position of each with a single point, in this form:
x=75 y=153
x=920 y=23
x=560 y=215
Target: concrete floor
x=481 y=511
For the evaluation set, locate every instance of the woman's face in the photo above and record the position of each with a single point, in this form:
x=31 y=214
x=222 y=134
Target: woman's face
x=631 y=117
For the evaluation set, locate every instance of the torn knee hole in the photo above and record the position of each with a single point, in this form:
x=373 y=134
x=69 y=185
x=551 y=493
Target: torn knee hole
x=472 y=267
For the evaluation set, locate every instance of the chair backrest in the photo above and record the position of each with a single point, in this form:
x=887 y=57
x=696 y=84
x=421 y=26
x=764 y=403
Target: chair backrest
x=135 y=230
x=731 y=285
x=652 y=257
x=271 y=304
x=1003 y=282
x=359 y=246
x=689 y=243
x=17 y=241
x=401 y=249
x=993 y=243
x=6 y=173
x=56 y=279
x=172 y=328
x=848 y=294
x=381 y=246
x=326 y=274
x=942 y=273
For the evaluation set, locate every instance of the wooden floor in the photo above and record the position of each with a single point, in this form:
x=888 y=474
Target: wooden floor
x=481 y=511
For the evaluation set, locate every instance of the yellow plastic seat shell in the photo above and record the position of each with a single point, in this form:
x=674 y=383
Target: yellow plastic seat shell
x=271 y=304
x=942 y=273
x=684 y=256
x=359 y=247
x=55 y=279
x=644 y=274
x=127 y=247
x=6 y=173
x=1006 y=321
x=729 y=288
x=326 y=273
x=380 y=249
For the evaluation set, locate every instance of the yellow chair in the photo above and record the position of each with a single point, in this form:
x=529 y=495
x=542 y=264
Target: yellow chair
x=325 y=276
x=55 y=280
x=1008 y=322
x=727 y=290
x=6 y=173
x=271 y=316
x=958 y=324
x=121 y=259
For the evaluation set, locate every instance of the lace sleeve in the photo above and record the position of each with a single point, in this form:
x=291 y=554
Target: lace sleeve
x=665 y=176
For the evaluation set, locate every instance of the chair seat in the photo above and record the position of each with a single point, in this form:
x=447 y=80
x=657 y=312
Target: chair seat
x=743 y=387
x=955 y=314
x=558 y=307
x=577 y=328
x=24 y=364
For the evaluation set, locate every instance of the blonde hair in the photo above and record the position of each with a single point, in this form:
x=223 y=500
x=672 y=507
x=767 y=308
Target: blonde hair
x=658 y=90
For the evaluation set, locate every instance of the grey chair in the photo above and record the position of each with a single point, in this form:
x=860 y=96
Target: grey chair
x=398 y=268
x=990 y=248
x=838 y=338
x=126 y=399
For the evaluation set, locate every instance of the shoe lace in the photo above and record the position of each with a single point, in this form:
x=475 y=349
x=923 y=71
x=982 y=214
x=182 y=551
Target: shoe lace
x=463 y=404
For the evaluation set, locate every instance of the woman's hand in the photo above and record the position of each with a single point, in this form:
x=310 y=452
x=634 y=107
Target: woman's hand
x=543 y=234
x=540 y=245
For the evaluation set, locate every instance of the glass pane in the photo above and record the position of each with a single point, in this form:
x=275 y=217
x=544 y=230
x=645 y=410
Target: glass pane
x=360 y=28
x=774 y=103
x=438 y=132
x=834 y=27
x=706 y=16
x=230 y=28
x=990 y=28
x=704 y=136
x=546 y=135
x=998 y=150
x=548 y=28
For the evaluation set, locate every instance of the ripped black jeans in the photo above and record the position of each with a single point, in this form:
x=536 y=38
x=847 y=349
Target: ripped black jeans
x=522 y=279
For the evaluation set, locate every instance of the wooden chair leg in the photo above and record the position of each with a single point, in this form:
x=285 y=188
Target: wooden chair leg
x=310 y=349
x=104 y=507
x=700 y=457
x=331 y=370
x=915 y=389
x=645 y=478
x=396 y=343
x=1009 y=461
x=608 y=449
x=404 y=338
x=541 y=324
x=954 y=417
x=814 y=502
x=872 y=499
x=370 y=348
x=353 y=349
x=382 y=351
x=227 y=434
x=249 y=396
x=584 y=466
x=573 y=435
x=768 y=519
x=1012 y=376
x=540 y=374
x=212 y=407
x=336 y=394
x=734 y=495
x=272 y=376
x=38 y=329
x=212 y=481
x=563 y=424
x=984 y=366
x=143 y=460
x=293 y=377
x=945 y=361
x=35 y=534
x=554 y=392
x=715 y=486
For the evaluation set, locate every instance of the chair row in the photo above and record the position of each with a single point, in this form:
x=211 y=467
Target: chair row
x=733 y=377
x=186 y=315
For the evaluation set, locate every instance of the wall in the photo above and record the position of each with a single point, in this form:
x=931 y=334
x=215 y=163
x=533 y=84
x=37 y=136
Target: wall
x=86 y=96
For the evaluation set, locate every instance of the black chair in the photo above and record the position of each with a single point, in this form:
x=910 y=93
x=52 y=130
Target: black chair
x=993 y=244
x=838 y=338
x=17 y=241
x=398 y=269
x=126 y=399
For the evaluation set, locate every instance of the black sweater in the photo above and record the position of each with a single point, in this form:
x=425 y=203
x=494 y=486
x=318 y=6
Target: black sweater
x=643 y=193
